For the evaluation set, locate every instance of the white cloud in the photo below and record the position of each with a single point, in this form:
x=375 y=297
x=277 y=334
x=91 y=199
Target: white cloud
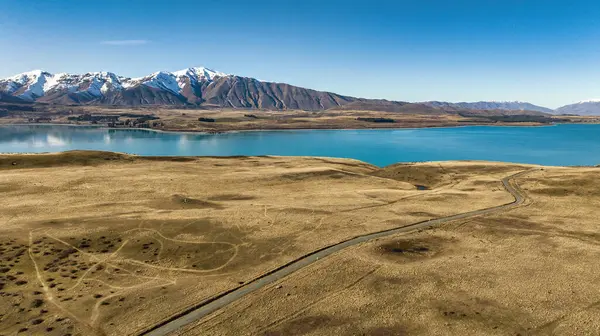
x=125 y=42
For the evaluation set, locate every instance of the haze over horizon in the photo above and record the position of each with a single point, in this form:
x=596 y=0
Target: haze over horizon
x=543 y=52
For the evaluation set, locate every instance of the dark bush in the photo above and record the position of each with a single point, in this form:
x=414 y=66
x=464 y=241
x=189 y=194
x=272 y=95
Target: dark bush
x=376 y=120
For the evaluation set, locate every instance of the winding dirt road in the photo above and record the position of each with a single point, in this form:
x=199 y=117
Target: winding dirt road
x=209 y=306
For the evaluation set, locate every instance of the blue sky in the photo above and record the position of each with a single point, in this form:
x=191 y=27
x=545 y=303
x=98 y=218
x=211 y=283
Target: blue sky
x=546 y=52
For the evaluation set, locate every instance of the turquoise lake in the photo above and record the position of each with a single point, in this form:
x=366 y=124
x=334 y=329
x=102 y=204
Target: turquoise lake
x=550 y=145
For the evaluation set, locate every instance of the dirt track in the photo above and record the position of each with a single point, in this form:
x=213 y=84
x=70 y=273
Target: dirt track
x=207 y=307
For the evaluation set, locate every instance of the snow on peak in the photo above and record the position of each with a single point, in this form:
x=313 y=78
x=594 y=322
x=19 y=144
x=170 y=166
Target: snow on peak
x=29 y=75
x=34 y=84
x=199 y=73
x=175 y=81
x=162 y=80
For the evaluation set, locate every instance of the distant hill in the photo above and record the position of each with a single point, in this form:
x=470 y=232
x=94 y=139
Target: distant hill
x=491 y=105
x=381 y=105
x=584 y=108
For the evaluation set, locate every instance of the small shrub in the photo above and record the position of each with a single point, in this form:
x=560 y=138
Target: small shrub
x=37 y=303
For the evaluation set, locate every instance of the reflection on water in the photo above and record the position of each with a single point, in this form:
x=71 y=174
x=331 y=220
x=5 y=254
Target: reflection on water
x=47 y=136
x=556 y=145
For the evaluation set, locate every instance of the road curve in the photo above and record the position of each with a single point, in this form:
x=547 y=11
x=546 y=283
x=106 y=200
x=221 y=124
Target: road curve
x=211 y=305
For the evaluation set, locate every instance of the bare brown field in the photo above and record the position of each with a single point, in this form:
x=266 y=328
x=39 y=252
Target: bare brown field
x=532 y=270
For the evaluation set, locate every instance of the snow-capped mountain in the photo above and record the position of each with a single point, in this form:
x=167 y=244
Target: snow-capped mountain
x=584 y=108
x=176 y=81
x=37 y=84
x=192 y=86
x=491 y=105
x=208 y=88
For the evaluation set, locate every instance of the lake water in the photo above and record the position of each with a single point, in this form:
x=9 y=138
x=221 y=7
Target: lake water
x=551 y=145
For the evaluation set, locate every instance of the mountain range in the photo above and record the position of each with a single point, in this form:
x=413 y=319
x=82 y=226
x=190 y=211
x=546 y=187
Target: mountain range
x=203 y=87
x=192 y=86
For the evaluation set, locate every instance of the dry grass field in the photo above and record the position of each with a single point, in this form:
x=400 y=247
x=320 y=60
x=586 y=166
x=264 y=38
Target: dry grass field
x=530 y=271
x=174 y=119
x=111 y=244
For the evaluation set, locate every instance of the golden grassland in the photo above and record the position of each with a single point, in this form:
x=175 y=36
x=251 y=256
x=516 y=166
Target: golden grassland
x=110 y=244
x=529 y=271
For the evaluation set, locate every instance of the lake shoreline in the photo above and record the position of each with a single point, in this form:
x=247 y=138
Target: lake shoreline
x=232 y=131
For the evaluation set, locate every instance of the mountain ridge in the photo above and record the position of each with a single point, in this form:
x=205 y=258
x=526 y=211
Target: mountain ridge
x=204 y=87
x=197 y=86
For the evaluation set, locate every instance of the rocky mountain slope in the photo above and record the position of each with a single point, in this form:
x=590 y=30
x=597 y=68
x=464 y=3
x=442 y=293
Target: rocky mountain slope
x=6 y=98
